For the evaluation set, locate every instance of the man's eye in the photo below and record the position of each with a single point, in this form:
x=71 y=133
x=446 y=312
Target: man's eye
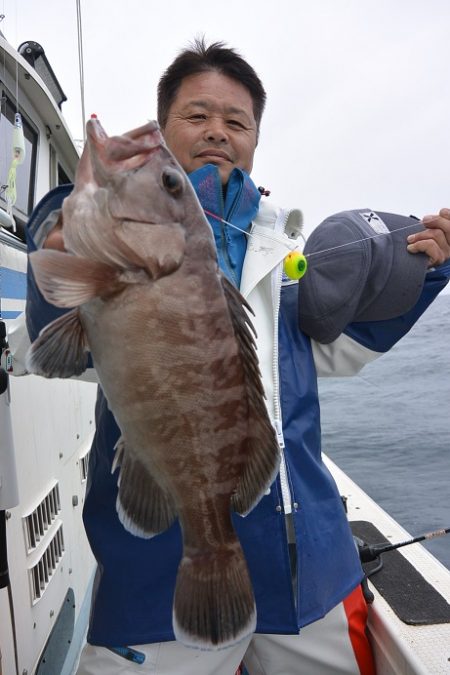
x=236 y=123
x=198 y=117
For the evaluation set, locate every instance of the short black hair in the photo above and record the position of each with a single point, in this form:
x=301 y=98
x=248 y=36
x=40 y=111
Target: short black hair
x=200 y=58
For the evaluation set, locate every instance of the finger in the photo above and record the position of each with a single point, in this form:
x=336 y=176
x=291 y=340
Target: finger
x=438 y=223
x=437 y=234
x=441 y=220
x=431 y=249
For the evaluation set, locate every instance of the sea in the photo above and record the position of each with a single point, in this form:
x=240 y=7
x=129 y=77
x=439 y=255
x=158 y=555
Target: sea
x=388 y=427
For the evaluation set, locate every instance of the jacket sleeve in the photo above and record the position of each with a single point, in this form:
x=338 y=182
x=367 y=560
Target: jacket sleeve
x=363 y=341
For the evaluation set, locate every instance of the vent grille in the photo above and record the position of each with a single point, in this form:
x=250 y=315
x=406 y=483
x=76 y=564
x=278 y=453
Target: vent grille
x=44 y=569
x=39 y=521
x=84 y=464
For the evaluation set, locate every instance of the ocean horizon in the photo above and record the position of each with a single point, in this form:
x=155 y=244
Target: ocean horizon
x=388 y=427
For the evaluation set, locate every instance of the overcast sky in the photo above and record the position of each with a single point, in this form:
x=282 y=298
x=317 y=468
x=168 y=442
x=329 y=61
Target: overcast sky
x=358 y=111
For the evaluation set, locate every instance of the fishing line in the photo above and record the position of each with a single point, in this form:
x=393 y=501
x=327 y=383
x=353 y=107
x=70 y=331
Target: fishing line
x=17 y=86
x=81 y=68
x=357 y=241
x=3 y=136
x=309 y=255
x=295 y=263
x=250 y=234
x=17 y=63
x=18 y=151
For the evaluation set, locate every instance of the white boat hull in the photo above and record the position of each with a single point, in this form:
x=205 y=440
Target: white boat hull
x=400 y=649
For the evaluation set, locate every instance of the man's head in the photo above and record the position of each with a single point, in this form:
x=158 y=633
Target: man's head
x=210 y=104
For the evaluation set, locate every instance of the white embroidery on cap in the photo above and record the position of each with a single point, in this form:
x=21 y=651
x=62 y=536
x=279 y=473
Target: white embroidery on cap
x=375 y=222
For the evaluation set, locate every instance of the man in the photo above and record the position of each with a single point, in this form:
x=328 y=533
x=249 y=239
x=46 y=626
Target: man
x=302 y=559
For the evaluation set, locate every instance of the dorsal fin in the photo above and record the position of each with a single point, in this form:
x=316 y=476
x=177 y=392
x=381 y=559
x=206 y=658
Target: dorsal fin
x=262 y=452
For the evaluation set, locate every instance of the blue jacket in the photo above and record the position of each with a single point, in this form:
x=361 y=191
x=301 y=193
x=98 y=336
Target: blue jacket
x=133 y=591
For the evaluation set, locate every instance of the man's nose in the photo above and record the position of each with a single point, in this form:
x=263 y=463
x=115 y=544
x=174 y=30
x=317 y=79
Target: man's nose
x=215 y=130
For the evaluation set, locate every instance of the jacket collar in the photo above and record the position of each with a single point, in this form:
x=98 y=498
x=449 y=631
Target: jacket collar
x=239 y=206
x=273 y=234
x=273 y=230
x=241 y=200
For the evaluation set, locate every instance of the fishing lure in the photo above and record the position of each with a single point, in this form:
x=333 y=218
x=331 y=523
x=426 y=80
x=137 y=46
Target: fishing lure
x=295 y=265
x=18 y=156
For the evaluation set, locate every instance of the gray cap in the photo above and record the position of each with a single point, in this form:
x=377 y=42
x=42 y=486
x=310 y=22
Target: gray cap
x=359 y=270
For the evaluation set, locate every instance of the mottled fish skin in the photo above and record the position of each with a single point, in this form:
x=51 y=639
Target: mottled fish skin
x=172 y=345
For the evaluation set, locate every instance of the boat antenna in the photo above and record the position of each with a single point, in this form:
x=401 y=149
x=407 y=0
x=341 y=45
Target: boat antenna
x=81 y=67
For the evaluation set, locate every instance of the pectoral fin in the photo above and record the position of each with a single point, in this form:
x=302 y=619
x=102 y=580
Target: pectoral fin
x=60 y=350
x=69 y=281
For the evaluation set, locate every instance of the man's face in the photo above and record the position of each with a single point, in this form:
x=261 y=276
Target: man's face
x=211 y=121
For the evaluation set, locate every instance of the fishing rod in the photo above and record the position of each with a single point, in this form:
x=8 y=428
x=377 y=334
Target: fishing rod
x=368 y=552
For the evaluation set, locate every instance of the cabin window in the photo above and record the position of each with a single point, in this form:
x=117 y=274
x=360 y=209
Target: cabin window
x=63 y=178
x=58 y=174
x=25 y=175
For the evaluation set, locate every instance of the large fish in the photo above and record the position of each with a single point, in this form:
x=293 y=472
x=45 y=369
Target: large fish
x=172 y=344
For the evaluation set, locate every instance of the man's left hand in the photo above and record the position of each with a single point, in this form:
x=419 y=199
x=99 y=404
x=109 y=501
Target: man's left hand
x=434 y=241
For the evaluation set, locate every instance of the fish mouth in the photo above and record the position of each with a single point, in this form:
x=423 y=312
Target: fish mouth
x=135 y=148
x=134 y=154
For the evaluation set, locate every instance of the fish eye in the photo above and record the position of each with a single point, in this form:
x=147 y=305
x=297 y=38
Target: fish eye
x=172 y=181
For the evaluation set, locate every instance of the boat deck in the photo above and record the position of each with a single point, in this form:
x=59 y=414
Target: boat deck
x=401 y=648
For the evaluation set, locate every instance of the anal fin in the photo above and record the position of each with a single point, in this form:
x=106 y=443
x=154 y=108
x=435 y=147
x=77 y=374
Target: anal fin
x=143 y=507
x=260 y=470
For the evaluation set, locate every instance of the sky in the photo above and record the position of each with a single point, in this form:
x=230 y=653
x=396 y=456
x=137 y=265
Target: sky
x=358 y=112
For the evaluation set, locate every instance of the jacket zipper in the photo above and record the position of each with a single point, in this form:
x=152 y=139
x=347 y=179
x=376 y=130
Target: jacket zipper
x=228 y=216
x=225 y=254
x=278 y=422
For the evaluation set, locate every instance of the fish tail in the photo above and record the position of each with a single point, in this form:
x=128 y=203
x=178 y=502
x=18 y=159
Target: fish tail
x=214 y=606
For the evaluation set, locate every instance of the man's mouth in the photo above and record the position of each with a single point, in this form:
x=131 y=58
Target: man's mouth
x=214 y=154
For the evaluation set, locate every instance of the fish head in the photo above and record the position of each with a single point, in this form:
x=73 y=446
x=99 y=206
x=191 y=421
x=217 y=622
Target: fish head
x=145 y=183
x=131 y=194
